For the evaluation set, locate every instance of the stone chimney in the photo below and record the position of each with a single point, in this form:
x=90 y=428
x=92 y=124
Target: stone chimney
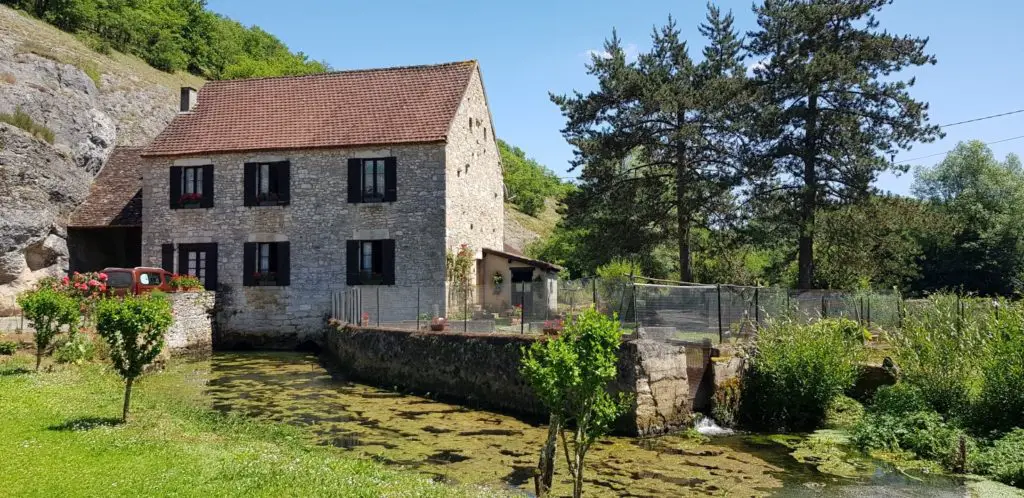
x=188 y=99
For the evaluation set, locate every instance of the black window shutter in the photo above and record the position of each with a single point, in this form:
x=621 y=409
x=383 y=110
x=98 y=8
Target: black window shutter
x=249 y=183
x=283 y=174
x=283 y=263
x=183 y=250
x=390 y=179
x=387 y=249
x=175 y=186
x=354 y=167
x=211 y=267
x=352 y=262
x=248 y=263
x=167 y=257
x=207 y=201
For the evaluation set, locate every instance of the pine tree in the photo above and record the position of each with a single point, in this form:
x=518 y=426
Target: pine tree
x=833 y=113
x=657 y=140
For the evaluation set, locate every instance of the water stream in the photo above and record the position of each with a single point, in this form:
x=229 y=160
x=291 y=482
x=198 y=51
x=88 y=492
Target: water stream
x=459 y=444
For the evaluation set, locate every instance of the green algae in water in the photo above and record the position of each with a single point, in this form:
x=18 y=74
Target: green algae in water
x=457 y=444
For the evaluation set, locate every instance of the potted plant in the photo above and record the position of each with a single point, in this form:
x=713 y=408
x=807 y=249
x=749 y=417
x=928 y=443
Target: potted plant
x=497 y=279
x=267 y=198
x=185 y=283
x=265 y=278
x=516 y=315
x=553 y=327
x=190 y=200
x=438 y=324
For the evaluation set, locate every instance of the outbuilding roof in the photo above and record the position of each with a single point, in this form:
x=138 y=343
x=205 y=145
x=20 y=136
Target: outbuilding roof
x=413 y=104
x=115 y=196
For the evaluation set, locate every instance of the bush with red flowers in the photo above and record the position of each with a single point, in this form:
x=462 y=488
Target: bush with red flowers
x=185 y=283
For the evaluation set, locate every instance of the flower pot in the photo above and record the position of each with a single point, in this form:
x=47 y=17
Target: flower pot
x=552 y=331
x=437 y=327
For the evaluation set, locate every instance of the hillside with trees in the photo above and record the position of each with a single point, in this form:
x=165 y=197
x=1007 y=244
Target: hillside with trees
x=173 y=35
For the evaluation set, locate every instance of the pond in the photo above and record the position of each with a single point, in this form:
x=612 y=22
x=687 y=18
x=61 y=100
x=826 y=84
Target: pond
x=463 y=445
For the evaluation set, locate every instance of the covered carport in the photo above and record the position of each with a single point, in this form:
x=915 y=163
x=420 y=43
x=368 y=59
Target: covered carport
x=106 y=230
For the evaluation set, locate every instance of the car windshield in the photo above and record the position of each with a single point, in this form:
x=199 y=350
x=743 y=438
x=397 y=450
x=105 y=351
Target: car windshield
x=119 y=279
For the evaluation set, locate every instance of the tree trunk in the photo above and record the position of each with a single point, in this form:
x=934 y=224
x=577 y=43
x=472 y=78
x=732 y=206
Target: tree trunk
x=39 y=357
x=577 y=469
x=809 y=204
x=127 y=398
x=546 y=466
x=682 y=214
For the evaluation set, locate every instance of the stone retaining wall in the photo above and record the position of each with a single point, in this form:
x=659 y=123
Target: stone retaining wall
x=191 y=333
x=483 y=369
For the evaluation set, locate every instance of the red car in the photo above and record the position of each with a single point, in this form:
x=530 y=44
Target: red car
x=138 y=280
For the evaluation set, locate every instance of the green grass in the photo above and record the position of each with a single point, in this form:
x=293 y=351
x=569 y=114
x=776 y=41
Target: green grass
x=59 y=439
x=22 y=120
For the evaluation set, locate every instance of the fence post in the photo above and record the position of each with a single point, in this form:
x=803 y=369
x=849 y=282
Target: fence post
x=719 y=289
x=378 y=307
x=860 y=315
x=824 y=307
x=757 y=308
x=417 y=307
x=522 y=309
x=869 y=311
x=636 y=315
x=593 y=285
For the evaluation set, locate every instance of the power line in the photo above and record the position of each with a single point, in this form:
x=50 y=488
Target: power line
x=951 y=150
x=1018 y=111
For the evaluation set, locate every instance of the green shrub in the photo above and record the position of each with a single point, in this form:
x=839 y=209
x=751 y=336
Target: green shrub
x=22 y=120
x=1000 y=403
x=923 y=433
x=898 y=399
x=1004 y=460
x=796 y=371
x=8 y=347
x=78 y=349
x=843 y=412
x=940 y=352
x=49 y=311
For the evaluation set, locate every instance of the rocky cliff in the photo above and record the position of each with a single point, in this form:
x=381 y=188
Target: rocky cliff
x=90 y=102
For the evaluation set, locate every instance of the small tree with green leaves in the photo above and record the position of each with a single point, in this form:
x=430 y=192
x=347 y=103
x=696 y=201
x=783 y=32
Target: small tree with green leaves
x=49 y=311
x=134 y=329
x=570 y=374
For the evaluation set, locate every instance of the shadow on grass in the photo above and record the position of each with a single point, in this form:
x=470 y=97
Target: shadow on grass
x=86 y=424
x=14 y=371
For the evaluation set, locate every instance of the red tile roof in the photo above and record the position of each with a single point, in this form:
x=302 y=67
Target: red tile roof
x=115 y=196
x=413 y=104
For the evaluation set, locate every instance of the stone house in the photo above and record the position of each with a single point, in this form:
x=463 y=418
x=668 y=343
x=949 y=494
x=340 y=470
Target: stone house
x=279 y=192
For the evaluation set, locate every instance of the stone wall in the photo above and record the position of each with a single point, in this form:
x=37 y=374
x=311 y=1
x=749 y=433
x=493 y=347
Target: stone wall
x=317 y=222
x=475 y=188
x=191 y=333
x=483 y=370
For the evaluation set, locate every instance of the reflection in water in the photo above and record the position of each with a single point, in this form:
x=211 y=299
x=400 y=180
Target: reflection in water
x=463 y=445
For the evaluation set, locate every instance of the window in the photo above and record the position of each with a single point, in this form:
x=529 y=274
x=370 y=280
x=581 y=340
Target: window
x=191 y=187
x=200 y=261
x=149 y=278
x=371 y=262
x=266 y=263
x=372 y=179
x=267 y=184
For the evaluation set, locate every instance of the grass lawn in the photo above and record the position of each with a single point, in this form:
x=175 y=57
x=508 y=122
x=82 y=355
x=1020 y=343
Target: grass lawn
x=58 y=438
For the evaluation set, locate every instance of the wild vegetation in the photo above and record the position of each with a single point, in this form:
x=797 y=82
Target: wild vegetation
x=22 y=120
x=174 y=35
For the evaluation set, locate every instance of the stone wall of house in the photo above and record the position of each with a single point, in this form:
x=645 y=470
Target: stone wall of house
x=483 y=370
x=191 y=332
x=317 y=222
x=475 y=201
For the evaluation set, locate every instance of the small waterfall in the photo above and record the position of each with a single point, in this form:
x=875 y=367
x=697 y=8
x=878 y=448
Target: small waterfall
x=708 y=427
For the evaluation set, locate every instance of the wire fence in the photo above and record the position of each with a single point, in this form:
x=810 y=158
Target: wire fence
x=685 y=313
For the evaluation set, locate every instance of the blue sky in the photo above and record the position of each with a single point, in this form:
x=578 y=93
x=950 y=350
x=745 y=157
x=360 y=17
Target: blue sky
x=529 y=48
